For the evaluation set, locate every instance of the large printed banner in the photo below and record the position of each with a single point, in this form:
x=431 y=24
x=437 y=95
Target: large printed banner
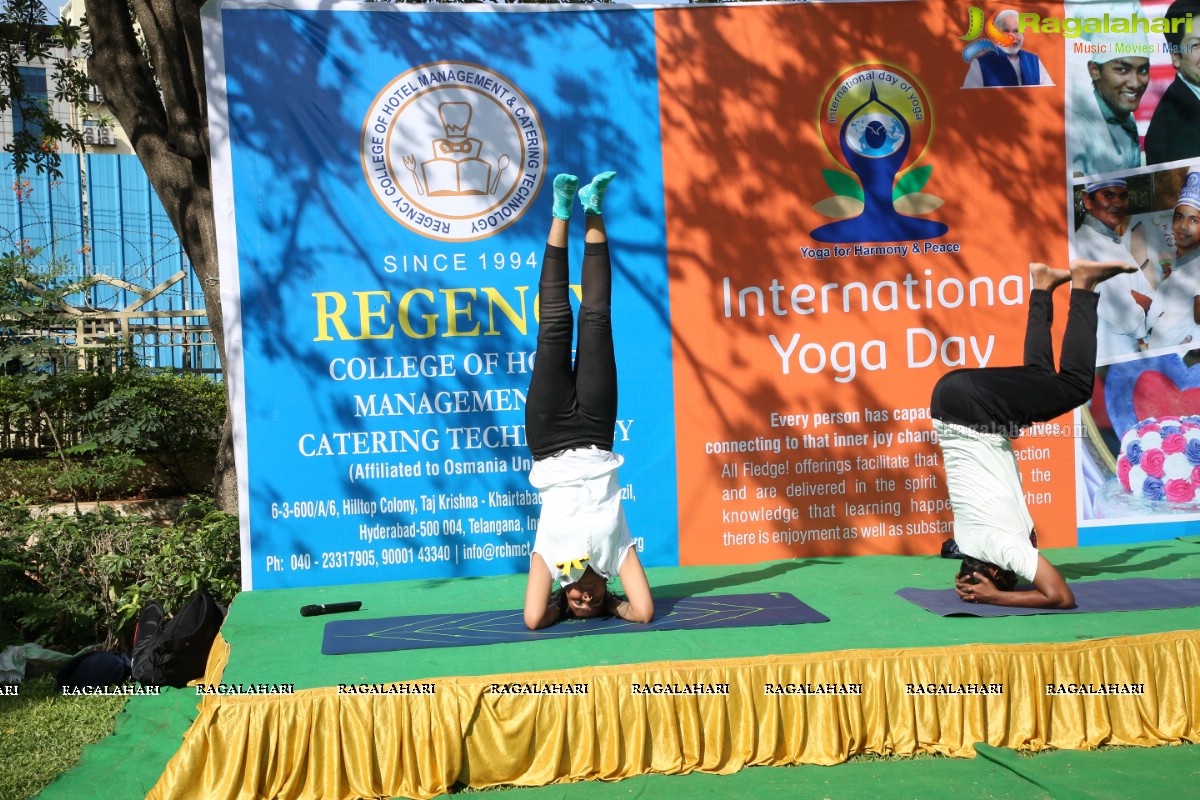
x=820 y=209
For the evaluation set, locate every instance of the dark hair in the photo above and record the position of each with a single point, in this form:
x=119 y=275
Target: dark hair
x=1180 y=10
x=1005 y=579
x=559 y=598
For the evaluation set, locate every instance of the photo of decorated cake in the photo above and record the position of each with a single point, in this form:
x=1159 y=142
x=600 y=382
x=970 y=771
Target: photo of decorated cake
x=1158 y=469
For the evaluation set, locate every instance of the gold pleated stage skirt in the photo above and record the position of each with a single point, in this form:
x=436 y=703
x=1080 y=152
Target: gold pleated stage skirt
x=718 y=716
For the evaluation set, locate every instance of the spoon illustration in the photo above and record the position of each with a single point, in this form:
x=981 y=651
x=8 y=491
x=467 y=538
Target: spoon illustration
x=501 y=165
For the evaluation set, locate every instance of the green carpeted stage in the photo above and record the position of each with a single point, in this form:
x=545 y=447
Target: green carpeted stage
x=269 y=643
x=272 y=643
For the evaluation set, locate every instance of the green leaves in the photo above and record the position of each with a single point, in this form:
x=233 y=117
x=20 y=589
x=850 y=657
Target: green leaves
x=842 y=184
x=912 y=181
x=134 y=430
x=28 y=42
x=845 y=186
x=847 y=200
x=71 y=580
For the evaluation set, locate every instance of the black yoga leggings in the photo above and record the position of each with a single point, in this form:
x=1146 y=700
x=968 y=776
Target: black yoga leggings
x=573 y=406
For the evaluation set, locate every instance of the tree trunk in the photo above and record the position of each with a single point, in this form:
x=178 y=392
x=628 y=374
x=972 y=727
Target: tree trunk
x=162 y=105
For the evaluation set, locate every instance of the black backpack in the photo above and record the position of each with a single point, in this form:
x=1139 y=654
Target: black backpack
x=174 y=652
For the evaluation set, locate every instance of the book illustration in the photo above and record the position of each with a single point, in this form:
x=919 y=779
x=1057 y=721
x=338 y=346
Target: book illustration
x=456 y=168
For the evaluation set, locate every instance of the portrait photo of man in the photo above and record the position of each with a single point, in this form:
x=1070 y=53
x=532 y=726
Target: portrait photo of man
x=1174 y=315
x=1012 y=66
x=1174 y=132
x=1124 y=298
x=1102 y=133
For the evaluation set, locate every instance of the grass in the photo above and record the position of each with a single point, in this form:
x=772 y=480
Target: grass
x=43 y=733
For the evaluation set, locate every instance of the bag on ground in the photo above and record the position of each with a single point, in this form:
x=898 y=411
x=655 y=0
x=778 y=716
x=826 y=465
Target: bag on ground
x=174 y=652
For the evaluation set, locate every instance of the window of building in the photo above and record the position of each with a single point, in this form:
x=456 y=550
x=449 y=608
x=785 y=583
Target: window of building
x=34 y=79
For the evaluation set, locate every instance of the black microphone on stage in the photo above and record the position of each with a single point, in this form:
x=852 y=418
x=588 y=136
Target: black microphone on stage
x=329 y=608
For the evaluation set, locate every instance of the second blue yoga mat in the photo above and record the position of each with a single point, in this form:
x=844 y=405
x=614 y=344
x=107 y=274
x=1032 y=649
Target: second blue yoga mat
x=1125 y=594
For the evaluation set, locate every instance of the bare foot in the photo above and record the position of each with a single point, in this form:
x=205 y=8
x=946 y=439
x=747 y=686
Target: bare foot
x=1048 y=278
x=1088 y=274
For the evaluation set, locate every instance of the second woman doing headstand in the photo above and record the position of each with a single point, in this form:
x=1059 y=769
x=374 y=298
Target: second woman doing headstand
x=570 y=414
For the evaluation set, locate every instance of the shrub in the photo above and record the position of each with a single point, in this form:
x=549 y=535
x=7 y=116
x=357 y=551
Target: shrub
x=132 y=433
x=67 y=581
x=32 y=479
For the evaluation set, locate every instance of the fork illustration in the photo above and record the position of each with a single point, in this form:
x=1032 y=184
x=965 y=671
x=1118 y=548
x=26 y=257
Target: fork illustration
x=410 y=161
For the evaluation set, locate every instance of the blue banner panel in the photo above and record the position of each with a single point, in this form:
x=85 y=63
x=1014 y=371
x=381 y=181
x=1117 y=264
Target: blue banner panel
x=390 y=176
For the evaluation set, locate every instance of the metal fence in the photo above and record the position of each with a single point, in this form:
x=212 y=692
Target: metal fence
x=103 y=220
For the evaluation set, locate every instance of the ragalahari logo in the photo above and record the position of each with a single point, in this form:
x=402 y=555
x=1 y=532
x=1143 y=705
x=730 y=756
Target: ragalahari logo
x=453 y=151
x=996 y=35
x=994 y=38
x=876 y=121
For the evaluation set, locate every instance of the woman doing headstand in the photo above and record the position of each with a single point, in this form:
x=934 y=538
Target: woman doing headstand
x=570 y=414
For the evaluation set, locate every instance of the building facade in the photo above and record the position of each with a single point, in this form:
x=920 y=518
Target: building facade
x=101 y=219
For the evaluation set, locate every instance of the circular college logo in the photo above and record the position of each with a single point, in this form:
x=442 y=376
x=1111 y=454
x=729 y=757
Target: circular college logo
x=453 y=151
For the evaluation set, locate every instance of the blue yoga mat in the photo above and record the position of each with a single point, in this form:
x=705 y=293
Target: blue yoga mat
x=1124 y=594
x=490 y=627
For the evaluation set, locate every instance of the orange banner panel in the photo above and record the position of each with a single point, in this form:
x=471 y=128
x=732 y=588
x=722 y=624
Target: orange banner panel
x=846 y=224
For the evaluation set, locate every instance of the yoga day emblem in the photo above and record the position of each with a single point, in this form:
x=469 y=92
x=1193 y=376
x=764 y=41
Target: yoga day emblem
x=876 y=122
x=453 y=151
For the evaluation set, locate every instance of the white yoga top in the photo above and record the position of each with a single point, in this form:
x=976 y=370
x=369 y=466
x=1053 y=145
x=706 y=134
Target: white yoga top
x=582 y=523
x=991 y=522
